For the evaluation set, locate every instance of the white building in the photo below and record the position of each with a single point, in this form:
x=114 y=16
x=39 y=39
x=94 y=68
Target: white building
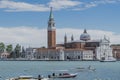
x=73 y=54
x=104 y=51
x=88 y=55
x=58 y=54
x=30 y=52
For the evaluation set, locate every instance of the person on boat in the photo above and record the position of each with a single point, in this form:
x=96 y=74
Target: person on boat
x=49 y=76
x=60 y=74
x=53 y=74
x=39 y=77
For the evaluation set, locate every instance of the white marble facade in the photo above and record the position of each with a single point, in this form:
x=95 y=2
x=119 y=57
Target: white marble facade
x=104 y=50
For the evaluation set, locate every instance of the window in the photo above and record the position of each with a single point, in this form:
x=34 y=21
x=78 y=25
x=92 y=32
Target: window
x=78 y=57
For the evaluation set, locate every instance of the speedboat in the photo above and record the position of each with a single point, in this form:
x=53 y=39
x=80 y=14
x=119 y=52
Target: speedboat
x=27 y=78
x=64 y=75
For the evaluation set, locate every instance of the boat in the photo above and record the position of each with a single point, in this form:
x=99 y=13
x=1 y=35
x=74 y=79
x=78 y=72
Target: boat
x=63 y=75
x=89 y=68
x=27 y=78
x=109 y=59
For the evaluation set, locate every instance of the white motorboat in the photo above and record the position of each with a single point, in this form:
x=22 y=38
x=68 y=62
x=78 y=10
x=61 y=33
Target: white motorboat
x=108 y=59
x=27 y=78
x=63 y=75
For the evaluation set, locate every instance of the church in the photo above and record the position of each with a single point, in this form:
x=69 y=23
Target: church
x=83 y=49
x=84 y=43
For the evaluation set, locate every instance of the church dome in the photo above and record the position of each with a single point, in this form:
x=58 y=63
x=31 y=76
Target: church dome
x=85 y=36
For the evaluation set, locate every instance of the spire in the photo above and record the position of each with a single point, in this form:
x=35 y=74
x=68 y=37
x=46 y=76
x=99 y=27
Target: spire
x=65 y=38
x=51 y=13
x=51 y=22
x=72 y=38
x=51 y=31
x=85 y=31
x=65 y=35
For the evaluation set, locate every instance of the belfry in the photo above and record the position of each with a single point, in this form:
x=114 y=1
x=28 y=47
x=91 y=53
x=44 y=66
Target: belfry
x=51 y=31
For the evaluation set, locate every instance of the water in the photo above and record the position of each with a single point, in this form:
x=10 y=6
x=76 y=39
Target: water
x=104 y=70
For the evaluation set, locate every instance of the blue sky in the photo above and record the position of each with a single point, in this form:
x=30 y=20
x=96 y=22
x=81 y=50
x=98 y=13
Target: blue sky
x=103 y=15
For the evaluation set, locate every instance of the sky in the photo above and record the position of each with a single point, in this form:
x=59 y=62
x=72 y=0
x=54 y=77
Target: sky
x=25 y=21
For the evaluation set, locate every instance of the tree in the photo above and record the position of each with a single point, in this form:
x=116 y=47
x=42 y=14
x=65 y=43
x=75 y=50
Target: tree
x=2 y=47
x=17 y=51
x=23 y=52
x=9 y=48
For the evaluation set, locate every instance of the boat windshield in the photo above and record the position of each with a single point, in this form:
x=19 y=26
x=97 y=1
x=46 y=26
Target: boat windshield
x=66 y=74
x=25 y=77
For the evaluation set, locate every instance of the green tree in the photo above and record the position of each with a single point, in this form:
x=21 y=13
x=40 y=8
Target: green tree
x=2 y=47
x=9 y=48
x=17 y=51
x=23 y=53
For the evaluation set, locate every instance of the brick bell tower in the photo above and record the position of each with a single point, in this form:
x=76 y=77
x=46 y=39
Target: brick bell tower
x=51 y=32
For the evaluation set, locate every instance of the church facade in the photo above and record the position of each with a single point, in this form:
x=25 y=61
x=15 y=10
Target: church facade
x=83 y=49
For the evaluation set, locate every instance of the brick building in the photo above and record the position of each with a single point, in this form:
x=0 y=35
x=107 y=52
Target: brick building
x=116 y=51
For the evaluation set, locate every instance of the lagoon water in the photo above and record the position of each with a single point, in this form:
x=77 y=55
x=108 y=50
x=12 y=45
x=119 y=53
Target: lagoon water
x=104 y=70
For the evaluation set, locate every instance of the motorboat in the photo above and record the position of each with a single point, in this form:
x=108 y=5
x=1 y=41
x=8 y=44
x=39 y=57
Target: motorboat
x=89 y=68
x=81 y=69
x=63 y=75
x=109 y=59
x=27 y=78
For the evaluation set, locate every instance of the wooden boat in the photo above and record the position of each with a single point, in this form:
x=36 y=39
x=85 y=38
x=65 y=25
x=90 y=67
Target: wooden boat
x=64 y=75
x=27 y=78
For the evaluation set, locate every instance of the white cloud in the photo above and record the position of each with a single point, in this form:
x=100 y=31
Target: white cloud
x=36 y=37
x=95 y=3
x=12 y=6
x=21 y=6
x=59 y=4
x=23 y=35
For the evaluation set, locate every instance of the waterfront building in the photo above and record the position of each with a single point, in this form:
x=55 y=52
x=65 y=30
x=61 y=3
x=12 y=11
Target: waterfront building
x=30 y=53
x=116 y=51
x=5 y=55
x=58 y=54
x=104 y=51
x=49 y=54
x=88 y=55
x=83 y=49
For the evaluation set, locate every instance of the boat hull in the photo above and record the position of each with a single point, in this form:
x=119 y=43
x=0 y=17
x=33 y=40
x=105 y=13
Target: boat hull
x=107 y=60
x=65 y=76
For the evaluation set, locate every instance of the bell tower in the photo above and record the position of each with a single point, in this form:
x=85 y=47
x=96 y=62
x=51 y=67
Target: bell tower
x=51 y=32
